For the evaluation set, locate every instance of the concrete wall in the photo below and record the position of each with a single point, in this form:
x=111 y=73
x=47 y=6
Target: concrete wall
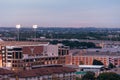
x=52 y=50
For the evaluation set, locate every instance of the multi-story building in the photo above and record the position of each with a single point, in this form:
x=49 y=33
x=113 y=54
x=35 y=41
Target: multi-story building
x=42 y=73
x=22 y=55
x=79 y=57
x=0 y=60
x=5 y=74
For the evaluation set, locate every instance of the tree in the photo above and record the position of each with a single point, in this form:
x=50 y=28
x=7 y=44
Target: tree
x=54 y=42
x=77 y=78
x=108 y=76
x=97 y=62
x=111 y=66
x=75 y=44
x=91 y=45
x=89 y=76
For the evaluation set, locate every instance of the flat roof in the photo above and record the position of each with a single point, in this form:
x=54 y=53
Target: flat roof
x=85 y=52
x=91 y=66
x=5 y=71
x=45 y=71
x=21 y=43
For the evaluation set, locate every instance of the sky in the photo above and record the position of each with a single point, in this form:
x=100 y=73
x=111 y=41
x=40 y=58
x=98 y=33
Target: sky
x=60 y=13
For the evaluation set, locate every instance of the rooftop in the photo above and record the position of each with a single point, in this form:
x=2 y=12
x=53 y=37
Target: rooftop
x=5 y=71
x=21 y=43
x=91 y=66
x=102 y=53
x=44 y=71
x=38 y=71
x=93 y=53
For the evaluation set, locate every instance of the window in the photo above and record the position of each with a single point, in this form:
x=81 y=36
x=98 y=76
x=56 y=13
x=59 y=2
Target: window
x=3 y=55
x=3 y=58
x=3 y=47
x=3 y=51
x=9 y=57
x=27 y=60
x=17 y=49
x=9 y=53
x=16 y=55
x=20 y=55
x=8 y=60
x=9 y=49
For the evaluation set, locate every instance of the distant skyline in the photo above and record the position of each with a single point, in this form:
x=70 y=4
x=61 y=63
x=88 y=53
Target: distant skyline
x=60 y=13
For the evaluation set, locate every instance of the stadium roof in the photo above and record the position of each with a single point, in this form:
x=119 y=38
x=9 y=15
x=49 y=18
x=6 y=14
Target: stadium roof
x=21 y=43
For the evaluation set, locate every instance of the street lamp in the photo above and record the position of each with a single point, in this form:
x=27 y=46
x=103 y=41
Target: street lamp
x=18 y=34
x=35 y=27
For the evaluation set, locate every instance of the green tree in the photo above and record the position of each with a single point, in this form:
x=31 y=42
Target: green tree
x=89 y=76
x=97 y=62
x=111 y=65
x=54 y=42
x=77 y=78
x=108 y=76
x=91 y=45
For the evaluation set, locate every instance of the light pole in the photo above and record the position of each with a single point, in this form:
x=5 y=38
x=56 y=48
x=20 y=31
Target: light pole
x=35 y=27
x=18 y=28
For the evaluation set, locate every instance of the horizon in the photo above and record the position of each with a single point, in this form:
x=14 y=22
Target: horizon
x=55 y=13
x=64 y=27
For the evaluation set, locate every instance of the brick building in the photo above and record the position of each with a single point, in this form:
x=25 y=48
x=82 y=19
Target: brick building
x=24 y=55
x=82 y=57
x=42 y=73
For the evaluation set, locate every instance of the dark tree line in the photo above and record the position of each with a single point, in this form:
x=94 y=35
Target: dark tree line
x=64 y=33
x=102 y=76
x=75 y=44
x=97 y=62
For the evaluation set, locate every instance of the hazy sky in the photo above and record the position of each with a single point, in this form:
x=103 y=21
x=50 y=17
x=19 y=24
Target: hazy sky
x=60 y=13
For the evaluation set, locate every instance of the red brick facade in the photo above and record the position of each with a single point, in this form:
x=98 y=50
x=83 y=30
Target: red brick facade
x=36 y=49
x=88 y=60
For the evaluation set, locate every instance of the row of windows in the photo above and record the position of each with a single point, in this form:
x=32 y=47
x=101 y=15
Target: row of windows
x=59 y=77
x=63 y=52
x=16 y=65
x=16 y=61
x=17 y=55
x=32 y=60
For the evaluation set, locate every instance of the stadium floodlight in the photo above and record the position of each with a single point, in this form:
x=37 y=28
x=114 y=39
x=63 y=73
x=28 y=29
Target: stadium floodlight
x=35 y=27
x=18 y=32
x=18 y=26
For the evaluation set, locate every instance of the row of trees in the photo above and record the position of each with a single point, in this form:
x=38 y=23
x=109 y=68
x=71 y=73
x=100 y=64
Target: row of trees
x=102 y=76
x=97 y=62
x=75 y=44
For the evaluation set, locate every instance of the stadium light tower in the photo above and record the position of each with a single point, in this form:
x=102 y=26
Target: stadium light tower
x=35 y=27
x=18 y=31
